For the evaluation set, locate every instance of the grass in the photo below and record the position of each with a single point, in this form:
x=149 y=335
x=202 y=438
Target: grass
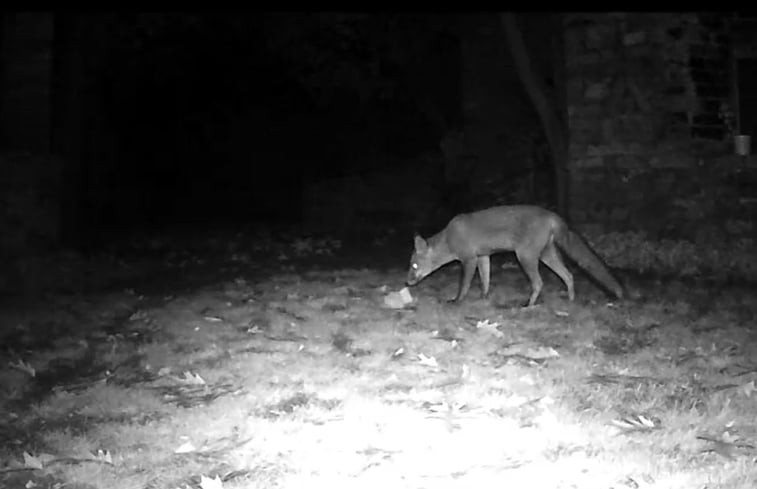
x=300 y=377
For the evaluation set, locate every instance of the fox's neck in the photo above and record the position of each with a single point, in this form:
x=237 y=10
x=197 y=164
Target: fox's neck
x=440 y=249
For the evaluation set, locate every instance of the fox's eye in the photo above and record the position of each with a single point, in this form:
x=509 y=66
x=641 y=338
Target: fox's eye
x=415 y=266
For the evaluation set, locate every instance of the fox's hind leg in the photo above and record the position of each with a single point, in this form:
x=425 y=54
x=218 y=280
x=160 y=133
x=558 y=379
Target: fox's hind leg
x=551 y=257
x=530 y=263
x=483 y=264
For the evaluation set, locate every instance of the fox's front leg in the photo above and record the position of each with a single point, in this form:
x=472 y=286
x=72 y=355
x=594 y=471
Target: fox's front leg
x=469 y=269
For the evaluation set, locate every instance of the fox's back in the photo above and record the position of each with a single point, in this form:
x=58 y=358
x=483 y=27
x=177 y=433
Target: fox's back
x=499 y=229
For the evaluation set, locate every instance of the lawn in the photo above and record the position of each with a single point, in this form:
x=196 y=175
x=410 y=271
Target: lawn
x=282 y=366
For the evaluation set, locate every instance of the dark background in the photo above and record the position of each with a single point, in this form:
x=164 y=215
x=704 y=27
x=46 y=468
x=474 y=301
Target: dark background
x=338 y=123
x=211 y=118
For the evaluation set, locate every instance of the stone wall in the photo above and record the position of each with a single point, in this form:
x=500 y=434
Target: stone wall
x=647 y=142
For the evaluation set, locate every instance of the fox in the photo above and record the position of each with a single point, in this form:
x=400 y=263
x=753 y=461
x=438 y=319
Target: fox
x=530 y=231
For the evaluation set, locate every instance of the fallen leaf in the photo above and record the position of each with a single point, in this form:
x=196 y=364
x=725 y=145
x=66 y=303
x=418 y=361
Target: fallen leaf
x=208 y=483
x=103 y=456
x=185 y=447
x=31 y=461
x=745 y=389
x=190 y=378
x=490 y=328
x=24 y=367
x=427 y=361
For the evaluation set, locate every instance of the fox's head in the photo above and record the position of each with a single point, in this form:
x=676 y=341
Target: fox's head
x=422 y=262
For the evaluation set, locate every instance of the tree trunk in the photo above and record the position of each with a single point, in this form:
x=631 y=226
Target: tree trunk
x=550 y=112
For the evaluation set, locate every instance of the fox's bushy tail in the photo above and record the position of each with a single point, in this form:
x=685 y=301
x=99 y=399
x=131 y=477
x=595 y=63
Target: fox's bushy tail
x=578 y=250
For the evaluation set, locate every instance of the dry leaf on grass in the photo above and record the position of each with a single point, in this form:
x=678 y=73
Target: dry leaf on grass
x=24 y=367
x=490 y=328
x=427 y=361
x=208 y=483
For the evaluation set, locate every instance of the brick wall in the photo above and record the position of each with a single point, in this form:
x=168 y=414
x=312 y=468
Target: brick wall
x=648 y=149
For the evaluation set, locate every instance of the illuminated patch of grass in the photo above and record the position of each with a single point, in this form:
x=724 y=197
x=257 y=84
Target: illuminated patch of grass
x=310 y=381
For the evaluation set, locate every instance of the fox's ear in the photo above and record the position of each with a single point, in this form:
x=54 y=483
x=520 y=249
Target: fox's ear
x=420 y=243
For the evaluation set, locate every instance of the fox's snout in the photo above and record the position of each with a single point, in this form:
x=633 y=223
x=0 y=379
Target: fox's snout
x=412 y=278
x=414 y=275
